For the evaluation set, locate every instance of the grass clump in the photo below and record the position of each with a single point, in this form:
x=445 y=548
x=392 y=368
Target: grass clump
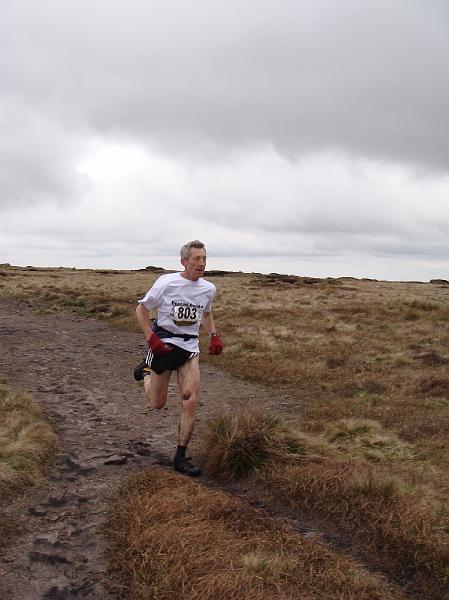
x=245 y=442
x=27 y=447
x=172 y=538
x=27 y=442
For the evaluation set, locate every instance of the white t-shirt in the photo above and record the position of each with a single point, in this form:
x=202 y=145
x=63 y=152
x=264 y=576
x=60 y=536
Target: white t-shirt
x=180 y=305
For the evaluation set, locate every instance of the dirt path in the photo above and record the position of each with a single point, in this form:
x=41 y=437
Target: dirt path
x=80 y=371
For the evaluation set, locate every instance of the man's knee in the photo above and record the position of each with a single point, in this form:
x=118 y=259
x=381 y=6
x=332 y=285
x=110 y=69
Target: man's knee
x=189 y=400
x=156 y=391
x=157 y=401
x=187 y=394
x=190 y=392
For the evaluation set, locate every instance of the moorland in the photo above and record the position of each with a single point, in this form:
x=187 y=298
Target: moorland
x=361 y=449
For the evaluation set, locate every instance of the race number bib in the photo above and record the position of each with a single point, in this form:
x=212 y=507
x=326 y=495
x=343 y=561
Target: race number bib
x=184 y=314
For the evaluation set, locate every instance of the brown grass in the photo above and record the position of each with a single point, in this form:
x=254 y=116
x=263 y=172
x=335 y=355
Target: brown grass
x=27 y=446
x=392 y=528
x=27 y=442
x=171 y=538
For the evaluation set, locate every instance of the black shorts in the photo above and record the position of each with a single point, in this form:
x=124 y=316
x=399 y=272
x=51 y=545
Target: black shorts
x=170 y=361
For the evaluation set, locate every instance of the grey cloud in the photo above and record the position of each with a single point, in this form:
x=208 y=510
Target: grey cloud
x=369 y=78
x=37 y=160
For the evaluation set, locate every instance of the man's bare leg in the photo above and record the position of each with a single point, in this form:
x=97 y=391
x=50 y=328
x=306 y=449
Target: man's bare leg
x=189 y=383
x=156 y=388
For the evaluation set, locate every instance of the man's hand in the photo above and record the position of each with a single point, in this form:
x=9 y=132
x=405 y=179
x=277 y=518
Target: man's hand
x=157 y=345
x=216 y=345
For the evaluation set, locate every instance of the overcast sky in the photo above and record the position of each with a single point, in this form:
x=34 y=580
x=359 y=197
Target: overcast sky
x=290 y=136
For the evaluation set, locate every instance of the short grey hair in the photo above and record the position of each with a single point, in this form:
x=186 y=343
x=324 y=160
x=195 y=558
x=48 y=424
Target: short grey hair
x=186 y=250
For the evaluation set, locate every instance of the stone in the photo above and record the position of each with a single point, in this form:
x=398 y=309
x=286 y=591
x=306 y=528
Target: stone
x=58 y=593
x=59 y=590
x=48 y=538
x=82 y=469
x=37 y=511
x=50 y=558
x=57 y=501
x=116 y=459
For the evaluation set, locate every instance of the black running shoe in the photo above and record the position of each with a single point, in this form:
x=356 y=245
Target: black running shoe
x=141 y=370
x=183 y=465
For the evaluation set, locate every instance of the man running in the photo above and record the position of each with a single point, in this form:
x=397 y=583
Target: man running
x=183 y=301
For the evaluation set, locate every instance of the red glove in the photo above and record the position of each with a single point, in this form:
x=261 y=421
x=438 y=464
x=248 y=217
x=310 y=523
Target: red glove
x=157 y=345
x=216 y=345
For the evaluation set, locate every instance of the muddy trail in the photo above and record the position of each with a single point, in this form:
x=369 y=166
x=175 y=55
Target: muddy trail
x=81 y=373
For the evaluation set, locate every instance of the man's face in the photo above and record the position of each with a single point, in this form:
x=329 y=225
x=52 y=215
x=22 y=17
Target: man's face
x=194 y=265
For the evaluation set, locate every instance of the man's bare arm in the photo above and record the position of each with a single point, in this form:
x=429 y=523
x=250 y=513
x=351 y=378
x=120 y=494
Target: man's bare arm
x=143 y=319
x=208 y=322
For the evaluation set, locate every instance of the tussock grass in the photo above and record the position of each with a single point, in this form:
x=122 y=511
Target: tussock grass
x=172 y=538
x=27 y=442
x=397 y=531
x=27 y=447
x=250 y=441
